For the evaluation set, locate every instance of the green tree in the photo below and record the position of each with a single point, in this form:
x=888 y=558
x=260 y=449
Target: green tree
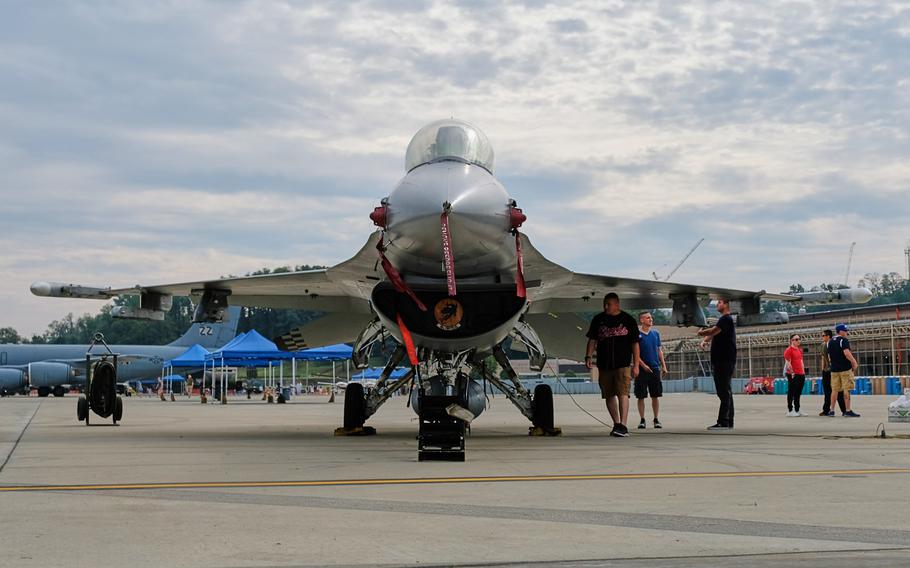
x=9 y=335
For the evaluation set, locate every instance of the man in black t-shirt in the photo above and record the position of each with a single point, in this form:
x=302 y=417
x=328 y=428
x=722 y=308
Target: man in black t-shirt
x=722 y=337
x=843 y=368
x=614 y=334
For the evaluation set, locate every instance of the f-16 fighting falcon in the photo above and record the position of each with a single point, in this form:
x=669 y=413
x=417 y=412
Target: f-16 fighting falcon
x=451 y=277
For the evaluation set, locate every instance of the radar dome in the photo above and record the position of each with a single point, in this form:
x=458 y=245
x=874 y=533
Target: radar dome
x=449 y=139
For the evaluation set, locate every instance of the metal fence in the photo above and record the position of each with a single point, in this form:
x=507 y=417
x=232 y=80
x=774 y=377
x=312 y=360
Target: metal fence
x=881 y=348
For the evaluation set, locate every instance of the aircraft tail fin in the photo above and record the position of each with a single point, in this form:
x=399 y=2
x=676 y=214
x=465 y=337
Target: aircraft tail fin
x=211 y=335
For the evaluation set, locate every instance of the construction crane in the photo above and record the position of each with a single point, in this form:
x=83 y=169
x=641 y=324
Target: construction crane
x=680 y=263
x=849 y=263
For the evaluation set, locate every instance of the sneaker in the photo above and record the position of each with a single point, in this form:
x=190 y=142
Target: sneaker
x=657 y=424
x=851 y=414
x=643 y=424
x=622 y=431
x=791 y=414
x=719 y=427
x=798 y=413
x=615 y=431
x=830 y=413
x=823 y=413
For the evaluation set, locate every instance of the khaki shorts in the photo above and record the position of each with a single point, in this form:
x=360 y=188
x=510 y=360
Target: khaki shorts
x=614 y=382
x=842 y=381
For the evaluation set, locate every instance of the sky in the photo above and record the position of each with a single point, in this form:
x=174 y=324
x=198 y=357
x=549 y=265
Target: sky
x=152 y=142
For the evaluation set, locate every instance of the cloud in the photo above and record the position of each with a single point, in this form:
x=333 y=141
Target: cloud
x=179 y=141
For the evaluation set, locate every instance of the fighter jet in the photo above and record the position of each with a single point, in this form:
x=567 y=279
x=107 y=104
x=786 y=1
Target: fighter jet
x=450 y=276
x=47 y=368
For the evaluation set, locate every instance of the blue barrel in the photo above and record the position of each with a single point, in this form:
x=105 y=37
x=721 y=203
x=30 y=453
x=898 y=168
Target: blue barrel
x=892 y=385
x=780 y=386
x=807 y=387
x=863 y=385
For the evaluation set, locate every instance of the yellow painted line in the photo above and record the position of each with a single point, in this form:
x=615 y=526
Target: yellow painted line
x=440 y=480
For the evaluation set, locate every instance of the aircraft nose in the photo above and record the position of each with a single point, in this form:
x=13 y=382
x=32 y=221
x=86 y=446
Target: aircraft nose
x=41 y=288
x=863 y=295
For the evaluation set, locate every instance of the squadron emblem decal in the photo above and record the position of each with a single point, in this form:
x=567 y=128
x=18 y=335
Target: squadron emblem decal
x=448 y=314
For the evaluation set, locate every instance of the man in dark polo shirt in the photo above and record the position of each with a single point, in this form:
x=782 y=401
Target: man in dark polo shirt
x=722 y=337
x=614 y=334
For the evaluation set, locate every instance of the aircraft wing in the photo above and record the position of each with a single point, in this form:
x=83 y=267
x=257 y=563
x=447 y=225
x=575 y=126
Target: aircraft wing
x=562 y=334
x=555 y=289
x=344 y=287
x=558 y=295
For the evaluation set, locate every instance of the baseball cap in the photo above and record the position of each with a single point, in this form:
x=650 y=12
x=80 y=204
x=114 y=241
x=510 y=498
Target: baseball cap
x=841 y=327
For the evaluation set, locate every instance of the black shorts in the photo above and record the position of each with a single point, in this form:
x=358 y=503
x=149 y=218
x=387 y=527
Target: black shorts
x=648 y=383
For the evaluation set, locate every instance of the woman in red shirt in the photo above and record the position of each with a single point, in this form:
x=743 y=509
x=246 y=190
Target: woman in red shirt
x=796 y=375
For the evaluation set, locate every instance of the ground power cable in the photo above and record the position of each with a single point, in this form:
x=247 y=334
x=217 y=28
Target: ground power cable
x=565 y=388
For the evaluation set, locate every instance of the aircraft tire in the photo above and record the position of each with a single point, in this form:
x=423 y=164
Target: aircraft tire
x=81 y=408
x=543 y=407
x=59 y=391
x=118 y=409
x=354 y=406
x=44 y=391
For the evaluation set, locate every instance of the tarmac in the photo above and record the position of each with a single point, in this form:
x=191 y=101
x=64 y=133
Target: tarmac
x=254 y=484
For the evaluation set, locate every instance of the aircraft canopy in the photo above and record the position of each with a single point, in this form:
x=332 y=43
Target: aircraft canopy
x=449 y=139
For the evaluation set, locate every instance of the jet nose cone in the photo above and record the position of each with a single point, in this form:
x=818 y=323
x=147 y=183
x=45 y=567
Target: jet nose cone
x=41 y=289
x=863 y=295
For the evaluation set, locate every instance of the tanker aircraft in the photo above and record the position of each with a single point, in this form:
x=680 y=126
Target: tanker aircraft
x=450 y=276
x=47 y=368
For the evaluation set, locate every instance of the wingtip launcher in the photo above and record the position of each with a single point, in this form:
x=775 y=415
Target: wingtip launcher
x=61 y=290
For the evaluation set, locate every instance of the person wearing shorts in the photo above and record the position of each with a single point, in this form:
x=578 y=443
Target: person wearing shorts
x=825 y=364
x=647 y=383
x=843 y=367
x=614 y=335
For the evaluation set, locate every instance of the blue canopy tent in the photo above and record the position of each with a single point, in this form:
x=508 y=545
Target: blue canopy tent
x=253 y=350
x=336 y=352
x=194 y=357
x=164 y=379
x=376 y=372
x=251 y=346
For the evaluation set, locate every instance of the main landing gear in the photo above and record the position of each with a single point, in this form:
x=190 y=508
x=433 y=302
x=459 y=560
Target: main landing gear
x=447 y=399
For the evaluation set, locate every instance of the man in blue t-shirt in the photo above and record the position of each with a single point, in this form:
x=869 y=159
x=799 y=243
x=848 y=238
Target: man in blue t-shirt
x=647 y=383
x=843 y=367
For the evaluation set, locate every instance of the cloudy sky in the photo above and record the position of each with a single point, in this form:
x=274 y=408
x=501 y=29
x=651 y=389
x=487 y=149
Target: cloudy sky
x=163 y=141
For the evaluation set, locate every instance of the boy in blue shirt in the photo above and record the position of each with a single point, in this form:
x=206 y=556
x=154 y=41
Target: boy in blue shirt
x=650 y=369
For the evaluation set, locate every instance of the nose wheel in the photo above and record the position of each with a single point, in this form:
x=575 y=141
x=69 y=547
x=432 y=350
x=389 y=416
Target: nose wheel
x=354 y=406
x=542 y=413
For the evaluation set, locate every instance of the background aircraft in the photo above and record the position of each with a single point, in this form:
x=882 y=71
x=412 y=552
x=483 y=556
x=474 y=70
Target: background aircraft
x=450 y=277
x=48 y=367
